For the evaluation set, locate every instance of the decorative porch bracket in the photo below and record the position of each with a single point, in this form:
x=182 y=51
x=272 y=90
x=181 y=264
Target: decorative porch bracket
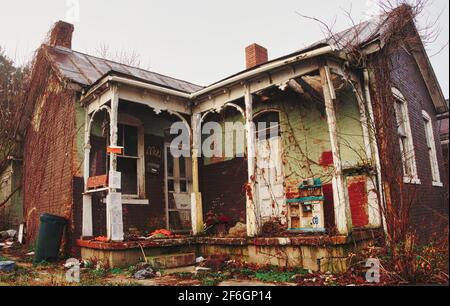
x=341 y=203
x=196 y=196
x=252 y=225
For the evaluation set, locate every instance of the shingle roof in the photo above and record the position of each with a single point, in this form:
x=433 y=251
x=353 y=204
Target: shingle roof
x=85 y=70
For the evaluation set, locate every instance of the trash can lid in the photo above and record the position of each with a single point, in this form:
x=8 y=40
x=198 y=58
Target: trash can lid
x=52 y=218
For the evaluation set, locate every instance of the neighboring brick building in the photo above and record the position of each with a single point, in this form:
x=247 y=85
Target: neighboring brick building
x=430 y=207
x=94 y=118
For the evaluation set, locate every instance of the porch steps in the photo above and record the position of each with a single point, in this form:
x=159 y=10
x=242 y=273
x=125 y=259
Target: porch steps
x=171 y=261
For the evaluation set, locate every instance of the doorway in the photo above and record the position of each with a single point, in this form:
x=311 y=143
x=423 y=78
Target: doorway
x=178 y=189
x=270 y=192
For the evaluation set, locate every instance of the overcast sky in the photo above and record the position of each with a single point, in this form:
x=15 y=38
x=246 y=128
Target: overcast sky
x=200 y=41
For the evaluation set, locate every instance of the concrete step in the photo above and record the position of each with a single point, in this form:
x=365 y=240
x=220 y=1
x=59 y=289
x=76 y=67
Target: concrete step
x=171 y=261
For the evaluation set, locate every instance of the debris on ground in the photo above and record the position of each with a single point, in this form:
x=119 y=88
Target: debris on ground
x=5 y=235
x=238 y=231
x=215 y=262
x=144 y=274
x=199 y=260
x=7 y=266
x=163 y=234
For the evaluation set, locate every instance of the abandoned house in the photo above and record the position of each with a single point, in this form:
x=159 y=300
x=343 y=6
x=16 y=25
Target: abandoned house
x=97 y=152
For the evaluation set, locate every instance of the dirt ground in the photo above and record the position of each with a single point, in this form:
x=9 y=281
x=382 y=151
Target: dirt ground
x=213 y=272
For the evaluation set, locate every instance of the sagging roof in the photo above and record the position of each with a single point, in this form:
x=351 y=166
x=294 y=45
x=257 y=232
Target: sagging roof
x=86 y=70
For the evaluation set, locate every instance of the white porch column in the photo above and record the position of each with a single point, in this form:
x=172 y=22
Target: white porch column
x=373 y=206
x=341 y=204
x=114 y=219
x=87 y=229
x=196 y=196
x=252 y=225
x=376 y=153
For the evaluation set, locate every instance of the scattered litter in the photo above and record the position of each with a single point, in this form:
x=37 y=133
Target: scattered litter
x=12 y=233
x=198 y=269
x=5 y=235
x=163 y=234
x=199 y=259
x=158 y=274
x=71 y=263
x=144 y=274
x=30 y=254
x=238 y=231
x=7 y=266
x=20 y=235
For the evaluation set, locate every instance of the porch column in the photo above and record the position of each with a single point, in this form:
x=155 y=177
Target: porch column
x=87 y=229
x=341 y=204
x=374 y=205
x=196 y=196
x=252 y=226
x=114 y=219
x=376 y=153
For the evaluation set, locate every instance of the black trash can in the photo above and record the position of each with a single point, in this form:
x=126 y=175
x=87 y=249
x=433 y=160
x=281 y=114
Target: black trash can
x=48 y=243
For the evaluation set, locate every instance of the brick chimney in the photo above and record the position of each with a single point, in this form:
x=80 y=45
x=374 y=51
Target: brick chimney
x=255 y=55
x=61 y=35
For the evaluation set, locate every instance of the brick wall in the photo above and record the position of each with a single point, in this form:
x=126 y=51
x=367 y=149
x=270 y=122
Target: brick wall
x=430 y=209
x=48 y=157
x=255 y=55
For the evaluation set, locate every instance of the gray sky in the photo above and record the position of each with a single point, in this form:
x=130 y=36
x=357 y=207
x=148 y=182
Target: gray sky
x=200 y=41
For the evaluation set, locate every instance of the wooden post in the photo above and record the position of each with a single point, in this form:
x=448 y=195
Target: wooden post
x=252 y=225
x=341 y=204
x=87 y=229
x=114 y=219
x=376 y=153
x=196 y=196
x=373 y=205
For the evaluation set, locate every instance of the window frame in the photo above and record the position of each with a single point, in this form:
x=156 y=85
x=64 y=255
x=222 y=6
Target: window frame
x=128 y=120
x=406 y=140
x=432 y=151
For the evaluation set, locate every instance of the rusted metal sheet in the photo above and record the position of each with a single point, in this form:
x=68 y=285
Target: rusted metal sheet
x=86 y=70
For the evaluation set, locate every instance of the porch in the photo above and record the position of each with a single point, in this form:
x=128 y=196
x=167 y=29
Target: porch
x=317 y=175
x=320 y=253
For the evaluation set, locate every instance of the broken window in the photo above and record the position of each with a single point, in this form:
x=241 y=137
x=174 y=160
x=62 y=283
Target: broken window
x=127 y=163
x=431 y=146
x=405 y=138
x=267 y=125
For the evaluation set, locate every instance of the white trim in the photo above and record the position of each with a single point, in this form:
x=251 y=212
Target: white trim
x=438 y=184
x=412 y=181
x=408 y=154
x=431 y=148
x=132 y=201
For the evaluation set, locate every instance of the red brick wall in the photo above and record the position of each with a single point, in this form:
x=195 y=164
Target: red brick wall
x=430 y=208
x=255 y=55
x=48 y=157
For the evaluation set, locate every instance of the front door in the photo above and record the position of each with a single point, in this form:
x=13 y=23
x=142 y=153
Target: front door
x=271 y=197
x=178 y=186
